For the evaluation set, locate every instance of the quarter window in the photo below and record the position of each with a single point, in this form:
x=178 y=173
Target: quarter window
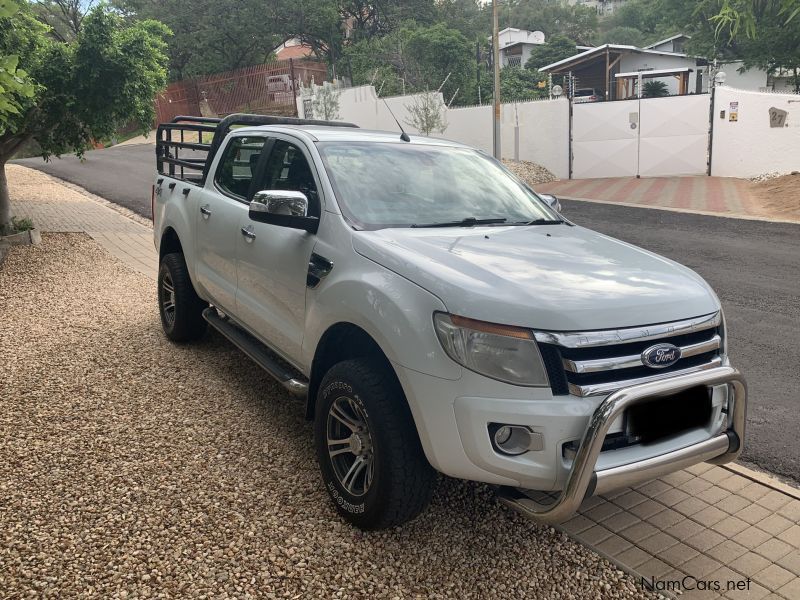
x=237 y=165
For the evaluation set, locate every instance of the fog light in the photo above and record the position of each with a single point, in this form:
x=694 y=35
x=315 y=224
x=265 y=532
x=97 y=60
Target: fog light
x=514 y=440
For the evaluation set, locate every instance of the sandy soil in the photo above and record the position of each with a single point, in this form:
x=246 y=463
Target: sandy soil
x=778 y=198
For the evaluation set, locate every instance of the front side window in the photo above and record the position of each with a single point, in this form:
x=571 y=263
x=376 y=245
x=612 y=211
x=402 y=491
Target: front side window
x=288 y=169
x=381 y=184
x=237 y=165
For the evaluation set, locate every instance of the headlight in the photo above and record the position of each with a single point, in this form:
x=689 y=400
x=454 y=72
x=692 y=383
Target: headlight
x=501 y=352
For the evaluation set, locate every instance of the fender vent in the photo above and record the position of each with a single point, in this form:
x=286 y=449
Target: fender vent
x=318 y=268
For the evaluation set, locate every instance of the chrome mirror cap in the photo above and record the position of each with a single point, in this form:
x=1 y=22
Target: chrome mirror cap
x=280 y=202
x=551 y=201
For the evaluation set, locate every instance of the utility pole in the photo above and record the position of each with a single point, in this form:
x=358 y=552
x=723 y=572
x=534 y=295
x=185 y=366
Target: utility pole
x=496 y=65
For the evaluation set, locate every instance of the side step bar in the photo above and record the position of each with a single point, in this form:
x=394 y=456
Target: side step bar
x=258 y=352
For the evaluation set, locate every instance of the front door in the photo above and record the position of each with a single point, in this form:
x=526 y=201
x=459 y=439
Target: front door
x=222 y=205
x=272 y=262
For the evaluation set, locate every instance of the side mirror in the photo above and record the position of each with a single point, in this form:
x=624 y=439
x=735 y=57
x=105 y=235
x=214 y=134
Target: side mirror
x=551 y=201
x=286 y=208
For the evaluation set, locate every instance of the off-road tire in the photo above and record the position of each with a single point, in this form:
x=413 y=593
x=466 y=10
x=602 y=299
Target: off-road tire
x=185 y=323
x=402 y=480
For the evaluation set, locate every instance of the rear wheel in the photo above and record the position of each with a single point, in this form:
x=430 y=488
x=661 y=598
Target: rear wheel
x=180 y=307
x=371 y=459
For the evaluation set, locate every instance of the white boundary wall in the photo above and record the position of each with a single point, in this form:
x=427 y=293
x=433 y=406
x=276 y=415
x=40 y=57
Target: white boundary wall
x=543 y=125
x=749 y=146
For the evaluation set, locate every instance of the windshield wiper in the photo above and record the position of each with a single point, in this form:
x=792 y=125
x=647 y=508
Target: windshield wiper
x=468 y=222
x=541 y=222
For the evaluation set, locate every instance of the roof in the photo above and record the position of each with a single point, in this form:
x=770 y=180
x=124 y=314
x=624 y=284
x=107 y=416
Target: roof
x=320 y=133
x=654 y=72
x=670 y=39
x=294 y=52
x=582 y=56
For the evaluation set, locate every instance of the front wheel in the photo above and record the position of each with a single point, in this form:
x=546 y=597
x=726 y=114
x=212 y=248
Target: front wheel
x=371 y=459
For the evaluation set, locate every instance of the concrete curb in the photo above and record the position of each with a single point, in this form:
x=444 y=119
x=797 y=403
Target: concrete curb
x=706 y=213
x=764 y=479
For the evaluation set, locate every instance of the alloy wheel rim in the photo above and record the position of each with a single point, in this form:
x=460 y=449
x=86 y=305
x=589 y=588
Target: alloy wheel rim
x=350 y=447
x=168 y=298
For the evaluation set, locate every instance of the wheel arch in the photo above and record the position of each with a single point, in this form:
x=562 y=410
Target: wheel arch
x=170 y=242
x=341 y=341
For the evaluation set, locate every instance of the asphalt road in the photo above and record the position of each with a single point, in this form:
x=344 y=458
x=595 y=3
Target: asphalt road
x=754 y=267
x=122 y=174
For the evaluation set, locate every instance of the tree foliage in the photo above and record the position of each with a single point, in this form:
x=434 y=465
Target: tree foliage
x=82 y=90
x=15 y=86
x=416 y=59
x=553 y=17
x=557 y=48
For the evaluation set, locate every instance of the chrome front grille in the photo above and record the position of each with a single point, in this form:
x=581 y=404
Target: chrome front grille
x=592 y=363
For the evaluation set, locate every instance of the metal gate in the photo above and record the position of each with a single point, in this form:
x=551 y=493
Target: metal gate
x=648 y=137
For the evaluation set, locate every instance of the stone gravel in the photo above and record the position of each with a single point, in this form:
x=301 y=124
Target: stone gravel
x=134 y=468
x=529 y=172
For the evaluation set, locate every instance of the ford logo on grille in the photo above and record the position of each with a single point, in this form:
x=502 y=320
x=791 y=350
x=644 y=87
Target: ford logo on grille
x=661 y=356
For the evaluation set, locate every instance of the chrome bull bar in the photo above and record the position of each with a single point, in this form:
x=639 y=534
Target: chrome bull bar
x=583 y=480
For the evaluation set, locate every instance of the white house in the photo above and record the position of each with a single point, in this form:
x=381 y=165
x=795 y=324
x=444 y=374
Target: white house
x=516 y=44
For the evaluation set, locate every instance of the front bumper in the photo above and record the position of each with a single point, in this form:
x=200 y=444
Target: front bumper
x=585 y=479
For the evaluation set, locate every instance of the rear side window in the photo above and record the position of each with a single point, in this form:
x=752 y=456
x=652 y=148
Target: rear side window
x=237 y=165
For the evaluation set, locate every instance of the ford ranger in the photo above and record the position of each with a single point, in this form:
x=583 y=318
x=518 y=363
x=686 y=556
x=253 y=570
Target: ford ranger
x=436 y=314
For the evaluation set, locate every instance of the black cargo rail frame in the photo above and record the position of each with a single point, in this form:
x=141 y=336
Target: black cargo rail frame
x=168 y=148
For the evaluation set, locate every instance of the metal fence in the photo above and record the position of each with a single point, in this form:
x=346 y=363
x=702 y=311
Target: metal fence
x=268 y=88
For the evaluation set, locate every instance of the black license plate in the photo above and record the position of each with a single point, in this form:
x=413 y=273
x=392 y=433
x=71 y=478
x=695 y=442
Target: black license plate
x=667 y=416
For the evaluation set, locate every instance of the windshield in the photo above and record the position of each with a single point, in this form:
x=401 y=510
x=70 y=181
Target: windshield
x=406 y=185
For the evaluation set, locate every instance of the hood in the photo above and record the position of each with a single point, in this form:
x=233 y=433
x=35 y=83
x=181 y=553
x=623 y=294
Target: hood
x=556 y=277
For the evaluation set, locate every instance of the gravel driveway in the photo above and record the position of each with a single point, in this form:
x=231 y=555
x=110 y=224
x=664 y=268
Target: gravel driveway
x=130 y=467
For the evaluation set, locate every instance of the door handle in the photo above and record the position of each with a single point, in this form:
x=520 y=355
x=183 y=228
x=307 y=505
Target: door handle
x=186 y=191
x=249 y=234
x=206 y=212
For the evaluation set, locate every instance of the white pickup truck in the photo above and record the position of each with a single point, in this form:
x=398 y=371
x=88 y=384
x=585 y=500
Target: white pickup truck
x=438 y=315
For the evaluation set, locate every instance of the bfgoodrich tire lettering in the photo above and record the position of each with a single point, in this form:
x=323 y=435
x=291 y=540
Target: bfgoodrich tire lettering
x=180 y=307
x=361 y=404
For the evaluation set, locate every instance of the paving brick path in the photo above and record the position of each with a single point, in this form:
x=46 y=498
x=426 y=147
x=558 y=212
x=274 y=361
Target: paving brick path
x=709 y=523
x=56 y=207
x=719 y=195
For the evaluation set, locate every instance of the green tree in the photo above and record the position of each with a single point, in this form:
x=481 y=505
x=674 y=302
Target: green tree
x=556 y=49
x=626 y=36
x=15 y=87
x=742 y=16
x=210 y=36
x=416 y=59
x=518 y=83
x=63 y=16
x=764 y=33
x=83 y=90
x=553 y=17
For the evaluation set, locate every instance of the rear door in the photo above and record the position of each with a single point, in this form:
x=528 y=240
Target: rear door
x=221 y=208
x=273 y=262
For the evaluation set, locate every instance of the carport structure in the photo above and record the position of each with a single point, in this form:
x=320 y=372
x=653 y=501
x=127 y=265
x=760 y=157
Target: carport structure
x=599 y=68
